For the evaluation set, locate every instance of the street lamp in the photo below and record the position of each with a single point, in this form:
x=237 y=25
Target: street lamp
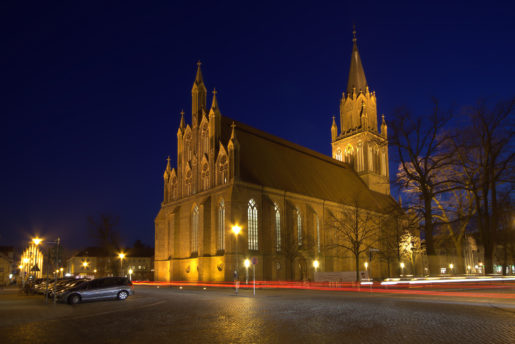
x=236 y=230
x=247 y=264
x=402 y=269
x=316 y=264
x=121 y=255
x=85 y=265
x=366 y=268
x=451 y=266
x=36 y=241
x=130 y=274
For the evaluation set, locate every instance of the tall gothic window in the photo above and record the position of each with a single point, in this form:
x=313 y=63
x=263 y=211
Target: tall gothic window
x=252 y=215
x=223 y=170
x=205 y=176
x=317 y=225
x=348 y=154
x=194 y=230
x=338 y=155
x=277 y=228
x=360 y=157
x=383 y=163
x=299 y=227
x=221 y=227
x=187 y=147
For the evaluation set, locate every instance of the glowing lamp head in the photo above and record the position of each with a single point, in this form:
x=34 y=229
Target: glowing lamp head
x=85 y=264
x=316 y=264
x=246 y=263
x=451 y=265
x=402 y=265
x=20 y=266
x=121 y=255
x=366 y=265
x=130 y=271
x=25 y=260
x=236 y=229
x=61 y=269
x=37 y=241
x=95 y=270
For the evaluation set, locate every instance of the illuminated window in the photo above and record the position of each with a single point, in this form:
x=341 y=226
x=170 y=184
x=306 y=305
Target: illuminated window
x=194 y=230
x=349 y=151
x=383 y=163
x=221 y=227
x=360 y=166
x=338 y=155
x=317 y=224
x=223 y=170
x=277 y=228
x=253 y=225
x=299 y=227
x=370 y=158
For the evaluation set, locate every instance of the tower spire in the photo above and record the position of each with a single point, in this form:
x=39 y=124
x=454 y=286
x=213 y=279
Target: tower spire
x=357 y=79
x=198 y=78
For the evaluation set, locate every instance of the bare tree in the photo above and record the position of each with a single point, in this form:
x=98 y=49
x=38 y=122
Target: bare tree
x=485 y=153
x=423 y=152
x=107 y=237
x=292 y=251
x=355 y=230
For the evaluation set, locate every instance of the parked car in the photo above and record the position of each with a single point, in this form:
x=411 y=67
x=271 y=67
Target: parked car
x=98 y=289
x=63 y=285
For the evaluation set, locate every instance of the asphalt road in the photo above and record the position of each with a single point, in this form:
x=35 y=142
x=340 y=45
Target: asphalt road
x=171 y=315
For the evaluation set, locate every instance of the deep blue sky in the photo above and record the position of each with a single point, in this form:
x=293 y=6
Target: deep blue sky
x=91 y=92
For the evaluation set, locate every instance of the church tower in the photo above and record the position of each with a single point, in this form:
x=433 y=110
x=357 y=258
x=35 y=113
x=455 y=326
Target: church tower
x=359 y=143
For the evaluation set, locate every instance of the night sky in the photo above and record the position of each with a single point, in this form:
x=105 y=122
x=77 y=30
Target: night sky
x=91 y=92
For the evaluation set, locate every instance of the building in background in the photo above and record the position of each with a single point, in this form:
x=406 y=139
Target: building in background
x=7 y=265
x=32 y=261
x=229 y=176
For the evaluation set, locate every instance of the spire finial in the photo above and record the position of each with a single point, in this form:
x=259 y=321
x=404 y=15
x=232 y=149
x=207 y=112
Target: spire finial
x=354 y=33
x=182 y=112
x=233 y=126
x=214 y=91
x=199 y=63
x=168 y=167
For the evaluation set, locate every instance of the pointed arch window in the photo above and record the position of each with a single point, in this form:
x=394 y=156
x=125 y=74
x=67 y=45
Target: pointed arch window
x=338 y=155
x=370 y=158
x=349 y=151
x=252 y=216
x=187 y=147
x=360 y=157
x=220 y=244
x=299 y=227
x=277 y=213
x=194 y=230
x=383 y=163
x=223 y=170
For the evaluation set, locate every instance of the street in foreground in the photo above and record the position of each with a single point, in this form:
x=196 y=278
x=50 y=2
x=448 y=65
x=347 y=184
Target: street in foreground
x=194 y=315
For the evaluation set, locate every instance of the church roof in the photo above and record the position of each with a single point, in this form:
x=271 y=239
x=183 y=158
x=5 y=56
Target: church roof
x=274 y=162
x=357 y=77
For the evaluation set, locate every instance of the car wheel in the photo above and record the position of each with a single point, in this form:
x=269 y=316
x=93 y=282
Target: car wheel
x=74 y=299
x=123 y=295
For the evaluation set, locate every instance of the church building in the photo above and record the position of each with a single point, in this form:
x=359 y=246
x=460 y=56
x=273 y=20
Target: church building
x=238 y=193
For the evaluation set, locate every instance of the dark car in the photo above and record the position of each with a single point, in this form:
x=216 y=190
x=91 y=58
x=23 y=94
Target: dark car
x=98 y=289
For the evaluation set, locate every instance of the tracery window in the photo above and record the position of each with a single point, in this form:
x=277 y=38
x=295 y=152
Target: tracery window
x=370 y=158
x=277 y=228
x=204 y=144
x=360 y=157
x=221 y=227
x=299 y=227
x=383 y=163
x=252 y=215
x=187 y=147
x=348 y=154
x=338 y=155
x=175 y=189
x=194 y=230
x=223 y=170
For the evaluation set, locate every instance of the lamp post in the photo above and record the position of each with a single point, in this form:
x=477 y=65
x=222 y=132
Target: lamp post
x=247 y=264
x=236 y=230
x=121 y=255
x=36 y=241
x=366 y=269
x=402 y=269
x=451 y=266
x=130 y=274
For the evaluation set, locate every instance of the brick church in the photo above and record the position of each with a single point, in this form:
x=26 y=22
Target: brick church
x=230 y=176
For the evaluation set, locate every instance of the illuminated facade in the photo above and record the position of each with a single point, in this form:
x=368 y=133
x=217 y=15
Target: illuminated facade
x=31 y=257
x=279 y=193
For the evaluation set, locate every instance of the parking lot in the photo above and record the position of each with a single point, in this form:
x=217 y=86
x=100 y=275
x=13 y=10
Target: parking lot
x=194 y=315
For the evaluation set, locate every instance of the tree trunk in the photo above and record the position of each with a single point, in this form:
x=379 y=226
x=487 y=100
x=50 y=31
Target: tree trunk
x=357 y=268
x=428 y=229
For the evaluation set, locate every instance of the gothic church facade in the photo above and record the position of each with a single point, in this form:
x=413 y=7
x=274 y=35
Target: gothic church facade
x=280 y=194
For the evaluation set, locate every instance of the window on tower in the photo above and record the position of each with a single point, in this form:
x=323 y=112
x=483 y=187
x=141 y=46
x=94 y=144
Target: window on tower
x=252 y=216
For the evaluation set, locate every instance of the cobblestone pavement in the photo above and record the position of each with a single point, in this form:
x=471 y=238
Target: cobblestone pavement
x=170 y=315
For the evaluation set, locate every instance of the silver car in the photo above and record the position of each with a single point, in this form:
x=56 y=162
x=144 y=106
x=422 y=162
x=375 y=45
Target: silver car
x=98 y=289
